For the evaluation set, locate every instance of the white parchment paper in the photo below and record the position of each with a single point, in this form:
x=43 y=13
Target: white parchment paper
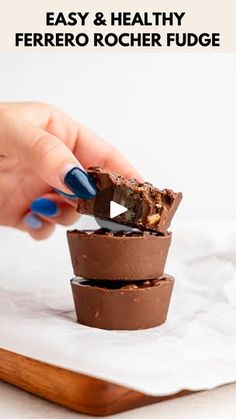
x=195 y=349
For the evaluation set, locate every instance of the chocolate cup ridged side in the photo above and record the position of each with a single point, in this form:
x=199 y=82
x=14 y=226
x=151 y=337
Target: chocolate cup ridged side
x=125 y=308
x=112 y=257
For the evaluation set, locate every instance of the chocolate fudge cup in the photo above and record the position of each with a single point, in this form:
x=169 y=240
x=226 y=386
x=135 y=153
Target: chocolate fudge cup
x=148 y=208
x=122 y=306
x=118 y=256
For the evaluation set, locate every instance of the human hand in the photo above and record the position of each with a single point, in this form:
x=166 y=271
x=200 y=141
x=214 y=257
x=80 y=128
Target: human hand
x=39 y=145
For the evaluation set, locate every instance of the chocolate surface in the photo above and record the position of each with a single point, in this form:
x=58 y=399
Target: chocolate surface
x=116 y=306
x=114 y=256
x=149 y=208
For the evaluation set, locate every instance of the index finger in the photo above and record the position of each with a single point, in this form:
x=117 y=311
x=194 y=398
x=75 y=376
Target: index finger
x=89 y=148
x=92 y=150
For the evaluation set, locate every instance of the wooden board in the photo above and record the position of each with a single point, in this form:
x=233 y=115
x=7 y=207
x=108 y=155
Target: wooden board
x=75 y=391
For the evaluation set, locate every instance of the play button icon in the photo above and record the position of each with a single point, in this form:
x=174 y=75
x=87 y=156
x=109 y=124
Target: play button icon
x=116 y=209
x=106 y=211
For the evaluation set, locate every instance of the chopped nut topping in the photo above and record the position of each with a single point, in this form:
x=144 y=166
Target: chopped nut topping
x=153 y=219
x=130 y=287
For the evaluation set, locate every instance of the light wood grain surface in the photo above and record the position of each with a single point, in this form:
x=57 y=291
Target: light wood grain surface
x=73 y=390
x=215 y=404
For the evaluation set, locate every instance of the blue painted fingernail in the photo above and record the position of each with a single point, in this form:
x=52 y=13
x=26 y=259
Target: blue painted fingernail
x=32 y=221
x=81 y=183
x=66 y=195
x=44 y=206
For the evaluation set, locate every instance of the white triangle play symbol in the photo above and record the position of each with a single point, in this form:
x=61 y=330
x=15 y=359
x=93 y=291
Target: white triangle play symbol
x=116 y=209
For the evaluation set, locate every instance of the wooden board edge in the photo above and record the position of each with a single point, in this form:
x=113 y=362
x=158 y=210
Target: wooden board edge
x=76 y=391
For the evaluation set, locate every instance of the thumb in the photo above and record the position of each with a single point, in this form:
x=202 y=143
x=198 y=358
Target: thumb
x=44 y=154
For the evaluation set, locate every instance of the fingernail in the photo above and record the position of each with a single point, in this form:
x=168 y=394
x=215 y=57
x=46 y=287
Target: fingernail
x=44 y=206
x=66 y=195
x=32 y=221
x=81 y=183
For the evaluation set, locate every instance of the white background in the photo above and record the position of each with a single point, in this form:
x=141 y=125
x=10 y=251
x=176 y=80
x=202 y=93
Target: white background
x=174 y=118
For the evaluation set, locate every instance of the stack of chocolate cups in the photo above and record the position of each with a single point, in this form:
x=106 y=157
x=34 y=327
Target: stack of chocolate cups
x=120 y=282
